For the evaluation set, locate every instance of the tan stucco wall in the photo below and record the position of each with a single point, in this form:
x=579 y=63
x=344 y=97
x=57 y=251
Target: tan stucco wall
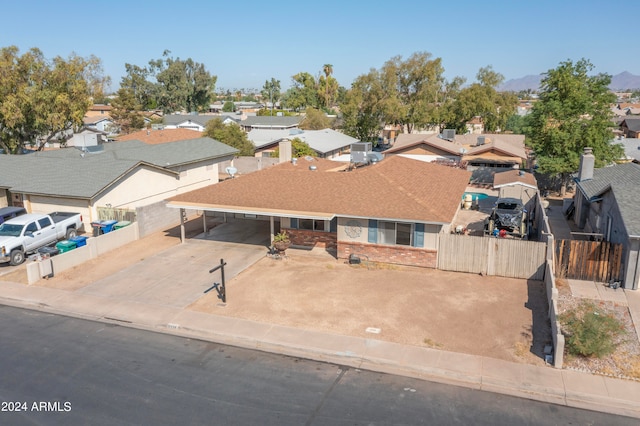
x=45 y=205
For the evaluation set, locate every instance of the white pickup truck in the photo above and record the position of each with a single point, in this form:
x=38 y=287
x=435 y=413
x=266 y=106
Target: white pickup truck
x=27 y=233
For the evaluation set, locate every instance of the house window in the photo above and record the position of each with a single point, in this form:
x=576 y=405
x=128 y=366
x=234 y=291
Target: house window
x=312 y=225
x=395 y=233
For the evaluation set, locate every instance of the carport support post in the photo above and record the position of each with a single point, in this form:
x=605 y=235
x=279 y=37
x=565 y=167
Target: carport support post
x=182 y=233
x=272 y=230
x=204 y=221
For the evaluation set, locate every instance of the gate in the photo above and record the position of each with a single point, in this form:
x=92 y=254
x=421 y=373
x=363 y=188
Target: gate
x=111 y=213
x=599 y=261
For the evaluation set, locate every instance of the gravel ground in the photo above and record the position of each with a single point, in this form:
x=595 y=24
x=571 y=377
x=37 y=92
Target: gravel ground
x=625 y=361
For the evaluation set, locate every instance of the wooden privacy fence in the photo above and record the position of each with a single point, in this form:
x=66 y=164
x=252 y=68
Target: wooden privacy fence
x=599 y=261
x=492 y=256
x=111 y=213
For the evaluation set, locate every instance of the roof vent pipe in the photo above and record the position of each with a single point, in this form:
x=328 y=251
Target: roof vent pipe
x=312 y=167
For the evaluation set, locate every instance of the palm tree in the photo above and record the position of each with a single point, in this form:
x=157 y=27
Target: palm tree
x=328 y=70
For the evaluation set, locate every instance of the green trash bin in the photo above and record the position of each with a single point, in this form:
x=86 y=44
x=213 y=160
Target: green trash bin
x=65 y=246
x=121 y=224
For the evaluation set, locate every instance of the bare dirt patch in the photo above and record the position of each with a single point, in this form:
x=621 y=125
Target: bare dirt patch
x=489 y=316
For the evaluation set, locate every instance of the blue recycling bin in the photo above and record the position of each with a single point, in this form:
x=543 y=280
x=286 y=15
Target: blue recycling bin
x=108 y=225
x=80 y=240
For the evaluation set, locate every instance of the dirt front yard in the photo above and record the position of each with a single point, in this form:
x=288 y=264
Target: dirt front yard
x=490 y=316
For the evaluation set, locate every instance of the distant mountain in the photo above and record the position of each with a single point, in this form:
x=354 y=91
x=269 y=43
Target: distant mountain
x=623 y=81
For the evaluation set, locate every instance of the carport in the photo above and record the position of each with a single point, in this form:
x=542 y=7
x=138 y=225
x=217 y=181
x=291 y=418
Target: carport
x=241 y=213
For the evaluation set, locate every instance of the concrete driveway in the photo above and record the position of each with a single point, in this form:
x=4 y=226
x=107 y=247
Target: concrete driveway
x=178 y=276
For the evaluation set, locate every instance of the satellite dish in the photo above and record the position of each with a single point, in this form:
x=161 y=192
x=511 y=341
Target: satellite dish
x=231 y=171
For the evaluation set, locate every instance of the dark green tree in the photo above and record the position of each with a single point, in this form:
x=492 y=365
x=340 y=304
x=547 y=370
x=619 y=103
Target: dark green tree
x=228 y=106
x=302 y=94
x=182 y=85
x=573 y=112
x=230 y=134
x=362 y=112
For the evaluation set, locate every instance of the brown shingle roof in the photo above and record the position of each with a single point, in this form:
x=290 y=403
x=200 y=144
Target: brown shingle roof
x=154 y=137
x=396 y=188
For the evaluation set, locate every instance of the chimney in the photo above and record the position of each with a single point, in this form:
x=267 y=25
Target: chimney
x=587 y=162
x=285 y=151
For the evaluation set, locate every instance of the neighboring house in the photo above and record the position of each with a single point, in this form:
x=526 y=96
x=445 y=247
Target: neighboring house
x=631 y=148
x=630 y=127
x=327 y=143
x=495 y=151
x=101 y=123
x=194 y=121
x=87 y=137
x=392 y=211
x=606 y=202
x=158 y=136
x=268 y=122
x=124 y=175
x=187 y=121
x=475 y=125
x=517 y=184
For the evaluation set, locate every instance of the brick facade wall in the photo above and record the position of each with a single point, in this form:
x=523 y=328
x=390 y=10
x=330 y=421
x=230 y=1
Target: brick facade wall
x=306 y=238
x=400 y=255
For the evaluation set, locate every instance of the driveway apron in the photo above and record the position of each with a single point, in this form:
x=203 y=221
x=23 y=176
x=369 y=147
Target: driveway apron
x=178 y=276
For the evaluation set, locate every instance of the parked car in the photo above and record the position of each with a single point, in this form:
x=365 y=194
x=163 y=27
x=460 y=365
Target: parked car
x=7 y=213
x=508 y=215
x=27 y=233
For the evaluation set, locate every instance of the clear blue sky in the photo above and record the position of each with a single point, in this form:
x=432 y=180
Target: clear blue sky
x=246 y=42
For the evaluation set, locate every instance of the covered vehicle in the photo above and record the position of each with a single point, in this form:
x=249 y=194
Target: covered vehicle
x=508 y=215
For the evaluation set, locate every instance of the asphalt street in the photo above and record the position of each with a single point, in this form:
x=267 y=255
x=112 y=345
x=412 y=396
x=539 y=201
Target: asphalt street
x=62 y=370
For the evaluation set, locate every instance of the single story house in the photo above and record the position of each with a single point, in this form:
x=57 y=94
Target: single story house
x=606 y=202
x=326 y=143
x=392 y=211
x=269 y=122
x=124 y=175
x=496 y=151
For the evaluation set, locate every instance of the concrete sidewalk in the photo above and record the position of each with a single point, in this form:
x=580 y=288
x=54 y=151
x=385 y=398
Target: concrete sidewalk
x=570 y=388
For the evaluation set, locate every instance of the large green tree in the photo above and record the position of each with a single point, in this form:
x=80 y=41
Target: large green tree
x=314 y=119
x=482 y=99
x=230 y=134
x=43 y=101
x=171 y=84
x=573 y=112
x=302 y=94
x=362 y=109
x=183 y=85
x=410 y=93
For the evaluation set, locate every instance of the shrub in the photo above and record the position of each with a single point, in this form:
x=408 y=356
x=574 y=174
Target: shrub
x=589 y=331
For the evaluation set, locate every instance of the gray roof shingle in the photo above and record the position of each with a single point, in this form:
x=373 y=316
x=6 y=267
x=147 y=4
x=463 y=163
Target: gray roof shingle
x=623 y=180
x=67 y=173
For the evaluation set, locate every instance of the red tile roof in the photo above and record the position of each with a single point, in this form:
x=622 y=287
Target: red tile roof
x=396 y=188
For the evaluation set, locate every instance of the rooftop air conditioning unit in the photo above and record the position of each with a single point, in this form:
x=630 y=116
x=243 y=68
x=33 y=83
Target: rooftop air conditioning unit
x=360 y=151
x=481 y=140
x=449 y=134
